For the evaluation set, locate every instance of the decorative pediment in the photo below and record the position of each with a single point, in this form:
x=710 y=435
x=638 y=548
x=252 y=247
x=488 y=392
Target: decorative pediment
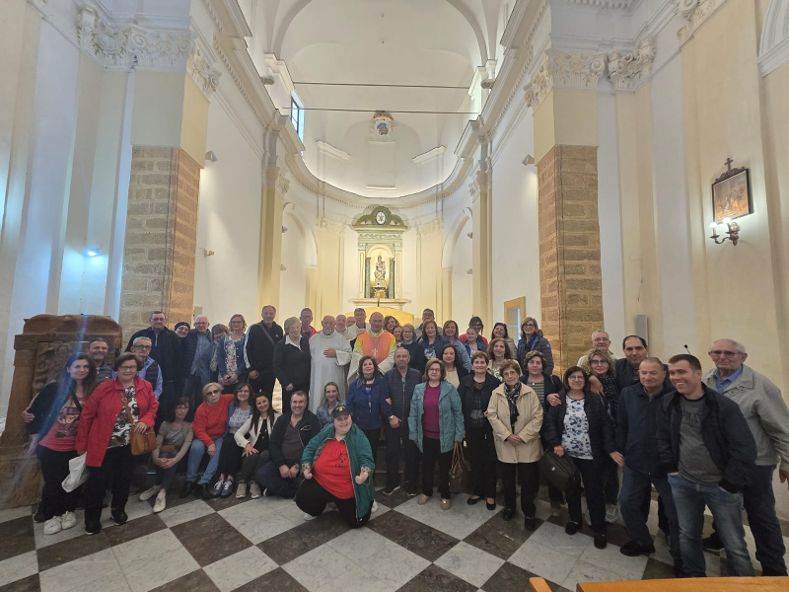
x=379 y=217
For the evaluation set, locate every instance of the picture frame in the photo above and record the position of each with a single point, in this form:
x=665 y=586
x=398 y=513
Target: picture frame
x=731 y=194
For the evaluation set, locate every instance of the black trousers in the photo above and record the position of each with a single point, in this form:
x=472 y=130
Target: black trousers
x=611 y=482
x=250 y=465
x=482 y=455
x=312 y=499
x=529 y=480
x=229 y=456
x=398 y=446
x=592 y=477
x=264 y=384
x=54 y=468
x=115 y=471
x=431 y=453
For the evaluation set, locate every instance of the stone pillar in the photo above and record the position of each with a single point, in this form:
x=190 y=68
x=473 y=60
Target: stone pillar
x=275 y=186
x=563 y=95
x=482 y=254
x=571 y=290
x=161 y=236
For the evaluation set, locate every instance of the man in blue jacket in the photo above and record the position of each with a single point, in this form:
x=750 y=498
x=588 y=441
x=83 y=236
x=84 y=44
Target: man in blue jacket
x=706 y=448
x=635 y=437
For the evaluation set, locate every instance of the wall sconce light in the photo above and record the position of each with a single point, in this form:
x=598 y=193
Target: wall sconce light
x=528 y=160
x=208 y=253
x=211 y=155
x=732 y=232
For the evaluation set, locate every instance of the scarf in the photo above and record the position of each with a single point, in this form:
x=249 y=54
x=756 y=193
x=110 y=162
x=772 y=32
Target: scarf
x=512 y=394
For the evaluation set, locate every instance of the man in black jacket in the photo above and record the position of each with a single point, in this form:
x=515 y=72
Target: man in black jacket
x=289 y=436
x=401 y=380
x=166 y=351
x=261 y=339
x=635 y=437
x=705 y=446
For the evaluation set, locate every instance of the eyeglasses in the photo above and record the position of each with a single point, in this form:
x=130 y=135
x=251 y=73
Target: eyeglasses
x=722 y=353
x=595 y=362
x=214 y=392
x=141 y=347
x=575 y=378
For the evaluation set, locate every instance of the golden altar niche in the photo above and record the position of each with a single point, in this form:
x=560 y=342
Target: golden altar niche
x=380 y=249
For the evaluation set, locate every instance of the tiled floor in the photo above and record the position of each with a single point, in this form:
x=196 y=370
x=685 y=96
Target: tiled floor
x=225 y=545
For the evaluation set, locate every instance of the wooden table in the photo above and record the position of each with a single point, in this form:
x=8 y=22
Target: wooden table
x=764 y=584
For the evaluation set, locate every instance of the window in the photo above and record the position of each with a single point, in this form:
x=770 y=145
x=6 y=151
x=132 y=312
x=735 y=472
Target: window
x=297 y=116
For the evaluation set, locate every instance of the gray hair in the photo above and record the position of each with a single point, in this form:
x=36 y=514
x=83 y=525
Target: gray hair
x=141 y=338
x=739 y=347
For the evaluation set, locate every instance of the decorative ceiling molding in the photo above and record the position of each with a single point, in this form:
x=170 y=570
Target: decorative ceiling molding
x=774 y=43
x=561 y=69
x=619 y=4
x=695 y=13
x=628 y=71
x=429 y=156
x=130 y=45
x=202 y=71
x=332 y=151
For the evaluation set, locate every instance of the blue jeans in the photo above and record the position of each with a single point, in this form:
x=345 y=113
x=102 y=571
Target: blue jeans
x=196 y=452
x=690 y=499
x=636 y=487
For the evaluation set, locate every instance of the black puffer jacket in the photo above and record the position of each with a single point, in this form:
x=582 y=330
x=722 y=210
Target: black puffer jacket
x=467 y=390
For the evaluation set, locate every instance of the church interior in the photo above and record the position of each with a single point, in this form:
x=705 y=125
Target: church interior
x=595 y=164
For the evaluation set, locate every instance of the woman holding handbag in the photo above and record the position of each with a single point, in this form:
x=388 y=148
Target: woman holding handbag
x=515 y=414
x=580 y=428
x=435 y=425
x=54 y=419
x=117 y=417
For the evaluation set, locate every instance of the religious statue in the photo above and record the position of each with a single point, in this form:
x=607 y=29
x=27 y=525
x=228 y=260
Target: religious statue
x=380 y=286
x=380 y=272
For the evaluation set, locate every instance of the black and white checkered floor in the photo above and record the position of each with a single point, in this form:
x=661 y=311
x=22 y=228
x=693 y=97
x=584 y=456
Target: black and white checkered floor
x=245 y=545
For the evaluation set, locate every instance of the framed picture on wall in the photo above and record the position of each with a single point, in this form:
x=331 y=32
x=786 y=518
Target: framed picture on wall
x=731 y=194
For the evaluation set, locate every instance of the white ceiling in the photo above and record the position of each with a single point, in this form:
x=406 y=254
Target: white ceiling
x=404 y=42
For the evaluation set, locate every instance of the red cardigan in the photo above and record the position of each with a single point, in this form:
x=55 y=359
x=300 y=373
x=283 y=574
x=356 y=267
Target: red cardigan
x=100 y=412
x=210 y=421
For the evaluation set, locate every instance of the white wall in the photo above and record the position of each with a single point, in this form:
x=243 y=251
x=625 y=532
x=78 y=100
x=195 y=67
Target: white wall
x=515 y=238
x=228 y=223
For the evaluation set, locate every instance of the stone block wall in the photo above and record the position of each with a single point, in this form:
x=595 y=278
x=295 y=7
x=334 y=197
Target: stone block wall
x=161 y=236
x=570 y=281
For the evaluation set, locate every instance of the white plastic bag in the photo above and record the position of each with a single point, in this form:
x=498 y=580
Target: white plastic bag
x=78 y=473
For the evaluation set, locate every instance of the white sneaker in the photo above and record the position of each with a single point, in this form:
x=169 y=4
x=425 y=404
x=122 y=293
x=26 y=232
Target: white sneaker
x=68 y=520
x=254 y=490
x=611 y=513
x=53 y=526
x=149 y=493
x=161 y=501
x=241 y=490
x=308 y=517
x=375 y=506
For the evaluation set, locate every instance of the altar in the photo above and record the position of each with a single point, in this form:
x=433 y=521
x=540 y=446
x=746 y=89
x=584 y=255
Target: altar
x=380 y=249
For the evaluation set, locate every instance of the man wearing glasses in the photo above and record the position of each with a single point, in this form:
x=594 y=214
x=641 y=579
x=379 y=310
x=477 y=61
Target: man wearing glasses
x=150 y=371
x=768 y=418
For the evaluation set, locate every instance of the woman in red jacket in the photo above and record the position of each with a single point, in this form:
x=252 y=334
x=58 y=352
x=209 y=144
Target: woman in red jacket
x=209 y=426
x=115 y=408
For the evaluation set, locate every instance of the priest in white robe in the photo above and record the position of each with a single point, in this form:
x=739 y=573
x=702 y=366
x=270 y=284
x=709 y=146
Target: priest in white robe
x=331 y=352
x=359 y=324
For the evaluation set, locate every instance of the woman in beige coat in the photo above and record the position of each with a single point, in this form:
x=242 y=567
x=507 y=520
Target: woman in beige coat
x=515 y=414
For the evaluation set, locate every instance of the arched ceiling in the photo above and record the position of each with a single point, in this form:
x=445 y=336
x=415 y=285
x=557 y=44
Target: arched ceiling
x=347 y=45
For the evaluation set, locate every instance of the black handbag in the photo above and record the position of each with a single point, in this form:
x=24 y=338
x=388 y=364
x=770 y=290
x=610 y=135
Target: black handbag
x=560 y=471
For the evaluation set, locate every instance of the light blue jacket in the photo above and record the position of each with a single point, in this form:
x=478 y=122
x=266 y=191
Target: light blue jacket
x=450 y=416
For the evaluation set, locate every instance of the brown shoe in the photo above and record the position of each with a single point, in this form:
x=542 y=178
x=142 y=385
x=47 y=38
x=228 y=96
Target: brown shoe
x=446 y=503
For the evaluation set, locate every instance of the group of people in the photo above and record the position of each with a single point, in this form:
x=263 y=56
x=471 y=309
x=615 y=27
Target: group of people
x=700 y=439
